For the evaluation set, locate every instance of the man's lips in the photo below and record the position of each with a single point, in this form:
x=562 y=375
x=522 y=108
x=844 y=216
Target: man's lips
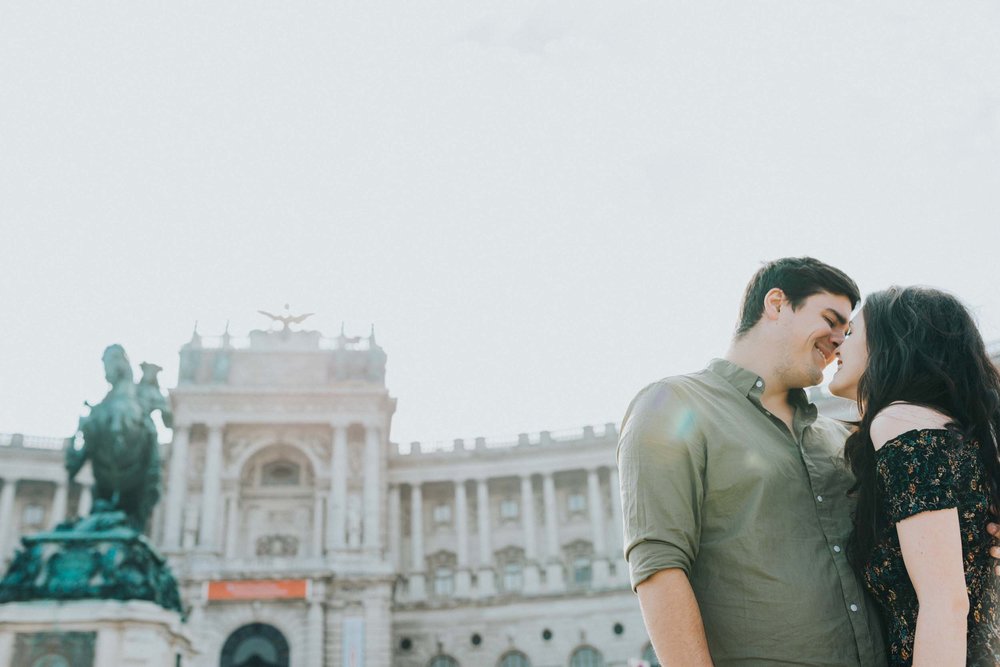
x=826 y=354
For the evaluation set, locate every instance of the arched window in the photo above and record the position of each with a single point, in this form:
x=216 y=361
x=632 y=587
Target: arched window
x=443 y=661
x=256 y=644
x=280 y=473
x=649 y=655
x=514 y=659
x=586 y=656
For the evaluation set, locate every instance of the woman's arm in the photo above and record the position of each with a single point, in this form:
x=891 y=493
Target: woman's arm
x=932 y=551
x=931 y=542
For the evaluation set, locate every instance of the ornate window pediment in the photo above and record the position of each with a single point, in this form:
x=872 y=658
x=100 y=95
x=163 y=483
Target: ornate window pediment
x=277 y=545
x=509 y=554
x=441 y=559
x=579 y=555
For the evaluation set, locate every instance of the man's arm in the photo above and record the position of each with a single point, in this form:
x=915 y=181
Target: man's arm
x=673 y=619
x=661 y=462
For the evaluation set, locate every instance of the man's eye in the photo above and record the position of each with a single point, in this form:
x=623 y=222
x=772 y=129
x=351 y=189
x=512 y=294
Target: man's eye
x=828 y=321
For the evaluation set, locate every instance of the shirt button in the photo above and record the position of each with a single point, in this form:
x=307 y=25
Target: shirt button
x=760 y=383
x=854 y=607
x=819 y=499
x=836 y=548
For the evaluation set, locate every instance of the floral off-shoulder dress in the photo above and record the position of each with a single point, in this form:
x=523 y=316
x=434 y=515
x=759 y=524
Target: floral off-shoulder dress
x=920 y=471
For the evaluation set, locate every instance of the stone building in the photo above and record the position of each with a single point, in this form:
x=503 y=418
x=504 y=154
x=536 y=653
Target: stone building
x=302 y=535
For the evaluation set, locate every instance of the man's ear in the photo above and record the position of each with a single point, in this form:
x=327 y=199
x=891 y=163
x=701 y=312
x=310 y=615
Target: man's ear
x=774 y=301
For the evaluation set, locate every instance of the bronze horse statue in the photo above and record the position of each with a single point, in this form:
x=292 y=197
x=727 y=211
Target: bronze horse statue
x=120 y=440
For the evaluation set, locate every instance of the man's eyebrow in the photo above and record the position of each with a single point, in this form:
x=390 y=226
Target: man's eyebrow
x=841 y=320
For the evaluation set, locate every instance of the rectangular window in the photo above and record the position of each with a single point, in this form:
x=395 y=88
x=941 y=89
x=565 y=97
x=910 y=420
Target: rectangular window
x=576 y=502
x=442 y=513
x=444 y=582
x=509 y=509
x=33 y=516
x=581 y=571
x=513 y=578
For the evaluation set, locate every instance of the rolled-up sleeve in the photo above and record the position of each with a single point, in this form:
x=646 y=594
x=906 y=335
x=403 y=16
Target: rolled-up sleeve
x=661 y=462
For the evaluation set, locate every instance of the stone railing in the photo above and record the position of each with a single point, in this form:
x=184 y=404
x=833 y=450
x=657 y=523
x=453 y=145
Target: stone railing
x=33 y=441
x=525 y=440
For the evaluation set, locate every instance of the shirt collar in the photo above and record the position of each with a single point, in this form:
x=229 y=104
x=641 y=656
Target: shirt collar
x=751 y=385
x=743 y=380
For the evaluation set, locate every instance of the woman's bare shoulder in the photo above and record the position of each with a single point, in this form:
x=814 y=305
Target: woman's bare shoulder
x=899 y=418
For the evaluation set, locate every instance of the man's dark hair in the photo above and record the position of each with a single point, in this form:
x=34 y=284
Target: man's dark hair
x=799 y=278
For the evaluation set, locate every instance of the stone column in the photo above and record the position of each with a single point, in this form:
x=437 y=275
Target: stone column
x=6 y=515
x=616 y=545
x=531 y=575
x=596 y=504
x=372 y=529
x=338 y=489
x=59 y=504
x=207 y=538
x=86 y=501
x=377 y=605
x=486 y=578
x=232 y=524
x=314 y=626
x=553 y=566
x=395 y=529
x=418 y=582
x=317 y=530
x=463 y=577
x=176 y=488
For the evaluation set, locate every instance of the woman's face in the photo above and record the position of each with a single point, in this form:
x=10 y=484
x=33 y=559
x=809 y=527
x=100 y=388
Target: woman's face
x=852 y=359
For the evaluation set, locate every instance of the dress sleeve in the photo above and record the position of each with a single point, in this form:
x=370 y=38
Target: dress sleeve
x=919 y=472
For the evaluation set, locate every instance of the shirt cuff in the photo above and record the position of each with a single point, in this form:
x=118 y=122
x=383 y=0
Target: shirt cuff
x=647 y=558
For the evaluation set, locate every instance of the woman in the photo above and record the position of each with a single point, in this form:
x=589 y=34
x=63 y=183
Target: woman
x=926 y=462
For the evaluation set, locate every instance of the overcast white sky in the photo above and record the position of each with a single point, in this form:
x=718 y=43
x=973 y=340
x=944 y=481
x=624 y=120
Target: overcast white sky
x=541 y=207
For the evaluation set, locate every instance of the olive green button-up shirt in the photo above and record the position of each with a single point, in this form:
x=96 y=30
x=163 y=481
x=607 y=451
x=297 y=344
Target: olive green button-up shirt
x=757 y=516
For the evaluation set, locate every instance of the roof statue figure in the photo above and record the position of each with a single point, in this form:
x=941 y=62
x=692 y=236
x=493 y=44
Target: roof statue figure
x=287 y=318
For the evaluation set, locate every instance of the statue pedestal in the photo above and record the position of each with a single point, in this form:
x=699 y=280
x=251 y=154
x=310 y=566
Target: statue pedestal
x=93 y=633
x=96 y=558
x=91 y=593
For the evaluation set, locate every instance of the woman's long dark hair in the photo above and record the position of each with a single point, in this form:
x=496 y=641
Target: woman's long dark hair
x=923 y=348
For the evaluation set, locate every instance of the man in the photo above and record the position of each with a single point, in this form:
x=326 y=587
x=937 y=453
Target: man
x=734 y=492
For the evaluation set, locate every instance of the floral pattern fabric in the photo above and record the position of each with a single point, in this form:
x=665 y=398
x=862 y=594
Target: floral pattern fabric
x=922 y=471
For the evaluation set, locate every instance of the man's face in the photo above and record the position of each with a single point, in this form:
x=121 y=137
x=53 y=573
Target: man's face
x=810 y=337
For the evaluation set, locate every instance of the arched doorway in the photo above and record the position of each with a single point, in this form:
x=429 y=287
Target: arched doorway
x=255 y=645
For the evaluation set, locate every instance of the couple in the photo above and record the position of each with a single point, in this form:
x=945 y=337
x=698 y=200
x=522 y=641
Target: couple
x=754 y=536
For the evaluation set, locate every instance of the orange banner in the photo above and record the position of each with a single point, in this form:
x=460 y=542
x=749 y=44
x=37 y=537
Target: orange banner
x=258 y=589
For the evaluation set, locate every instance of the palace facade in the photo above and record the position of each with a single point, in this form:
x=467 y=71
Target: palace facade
x=302 y=535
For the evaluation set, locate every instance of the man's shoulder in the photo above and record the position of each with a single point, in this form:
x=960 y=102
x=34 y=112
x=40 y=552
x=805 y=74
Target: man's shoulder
x=680 y=385
x=667 y=400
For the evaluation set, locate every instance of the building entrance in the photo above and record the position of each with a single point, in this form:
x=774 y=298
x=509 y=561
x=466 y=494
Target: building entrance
x=255 y=645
